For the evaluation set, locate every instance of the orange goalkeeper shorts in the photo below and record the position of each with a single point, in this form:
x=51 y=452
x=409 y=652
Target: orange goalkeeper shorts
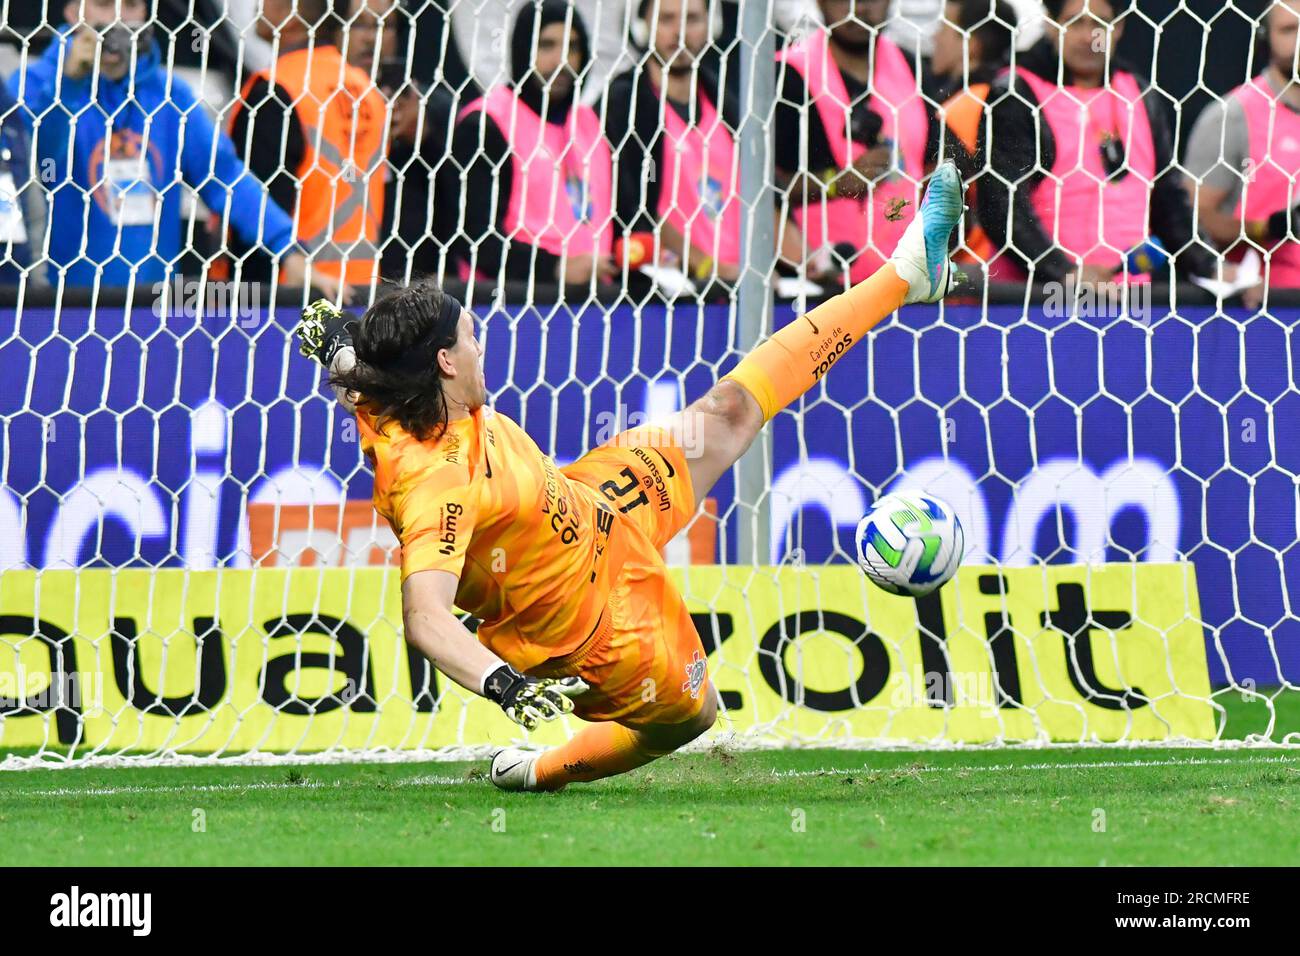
x=644 y=661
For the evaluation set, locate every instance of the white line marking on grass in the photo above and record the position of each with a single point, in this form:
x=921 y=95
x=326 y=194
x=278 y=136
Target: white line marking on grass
x=1058 y=765
x=421 y=781
x=437 y=780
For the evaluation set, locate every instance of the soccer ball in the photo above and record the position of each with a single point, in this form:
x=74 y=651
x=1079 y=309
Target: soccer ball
x=910 y=543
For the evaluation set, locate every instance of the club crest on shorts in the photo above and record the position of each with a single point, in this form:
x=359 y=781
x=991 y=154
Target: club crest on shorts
x=697 y=670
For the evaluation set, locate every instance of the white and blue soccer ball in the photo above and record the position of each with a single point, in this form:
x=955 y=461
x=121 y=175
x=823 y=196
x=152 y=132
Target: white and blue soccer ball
x=910 y=543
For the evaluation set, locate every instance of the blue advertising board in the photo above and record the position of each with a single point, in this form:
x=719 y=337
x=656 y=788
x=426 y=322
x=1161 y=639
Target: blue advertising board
x=133 y=439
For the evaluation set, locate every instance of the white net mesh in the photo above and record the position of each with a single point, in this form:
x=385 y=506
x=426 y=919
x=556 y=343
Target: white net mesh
x=191 y=565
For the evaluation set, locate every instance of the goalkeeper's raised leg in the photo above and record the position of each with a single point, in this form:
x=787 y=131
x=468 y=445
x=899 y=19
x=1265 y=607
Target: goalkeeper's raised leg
x=716 y=430
x=794 y=359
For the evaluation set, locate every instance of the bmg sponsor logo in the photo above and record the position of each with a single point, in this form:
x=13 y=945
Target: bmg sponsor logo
x=449 y=521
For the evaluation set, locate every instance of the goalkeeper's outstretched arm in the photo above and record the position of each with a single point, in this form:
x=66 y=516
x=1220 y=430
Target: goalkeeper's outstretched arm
x=433 y=629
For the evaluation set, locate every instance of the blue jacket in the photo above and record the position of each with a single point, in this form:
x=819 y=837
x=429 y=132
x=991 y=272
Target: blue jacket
x=181 y=143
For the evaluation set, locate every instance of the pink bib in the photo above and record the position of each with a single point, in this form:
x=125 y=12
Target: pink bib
x=863 y=224
x=1274 y=132
x=1086 y=216
x=697 y=191
x=562 y=195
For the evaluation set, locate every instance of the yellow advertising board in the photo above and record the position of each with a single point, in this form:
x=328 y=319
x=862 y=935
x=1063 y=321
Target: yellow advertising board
x=303 y=659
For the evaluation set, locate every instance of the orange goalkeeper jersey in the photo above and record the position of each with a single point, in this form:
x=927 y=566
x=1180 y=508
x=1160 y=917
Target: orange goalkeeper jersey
x=536 y=552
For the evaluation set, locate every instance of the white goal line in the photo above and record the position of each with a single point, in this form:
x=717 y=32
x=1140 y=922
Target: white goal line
x=440 y=780
x=1053 y=765
x=425 y=780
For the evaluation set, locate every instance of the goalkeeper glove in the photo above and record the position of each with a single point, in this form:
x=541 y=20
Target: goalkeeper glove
x=323 y=330
x=528 y=700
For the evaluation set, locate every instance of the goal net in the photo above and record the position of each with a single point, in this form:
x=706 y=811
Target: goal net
x=190 y=567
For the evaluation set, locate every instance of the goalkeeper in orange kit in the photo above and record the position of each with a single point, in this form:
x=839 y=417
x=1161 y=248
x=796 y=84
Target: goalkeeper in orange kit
x=563 y=565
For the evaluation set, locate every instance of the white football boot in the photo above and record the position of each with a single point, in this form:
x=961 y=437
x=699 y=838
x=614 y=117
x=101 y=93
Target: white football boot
x=921 y=257
x=514 y=769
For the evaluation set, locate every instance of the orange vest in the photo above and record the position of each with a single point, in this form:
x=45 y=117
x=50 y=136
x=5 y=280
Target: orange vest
x=963 y=114
x=341 y=176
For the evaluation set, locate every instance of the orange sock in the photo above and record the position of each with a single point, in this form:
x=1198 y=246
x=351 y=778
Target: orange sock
x=794 y=359
x=600 y=750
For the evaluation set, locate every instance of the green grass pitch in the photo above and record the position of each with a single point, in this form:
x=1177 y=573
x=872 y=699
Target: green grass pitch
x=1086 y=806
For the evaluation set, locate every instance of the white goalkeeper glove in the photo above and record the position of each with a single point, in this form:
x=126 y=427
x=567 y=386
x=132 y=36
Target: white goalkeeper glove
x=529 y=700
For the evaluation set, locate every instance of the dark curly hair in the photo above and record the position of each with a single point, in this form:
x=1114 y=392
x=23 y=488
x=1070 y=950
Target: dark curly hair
x=397 y=343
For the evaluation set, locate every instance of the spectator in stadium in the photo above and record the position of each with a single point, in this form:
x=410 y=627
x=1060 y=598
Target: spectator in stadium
x=416 y=230
x=1244 y=153
x=241 y=18
x=670 y=116
x=914 y=25
x=1074 y=190
x=22 y=212
x=971 y=45
x=370 y=33
x=867 y=133
x=478 y=26
x=536 y=176
x=312 y=128
x=116 y=188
